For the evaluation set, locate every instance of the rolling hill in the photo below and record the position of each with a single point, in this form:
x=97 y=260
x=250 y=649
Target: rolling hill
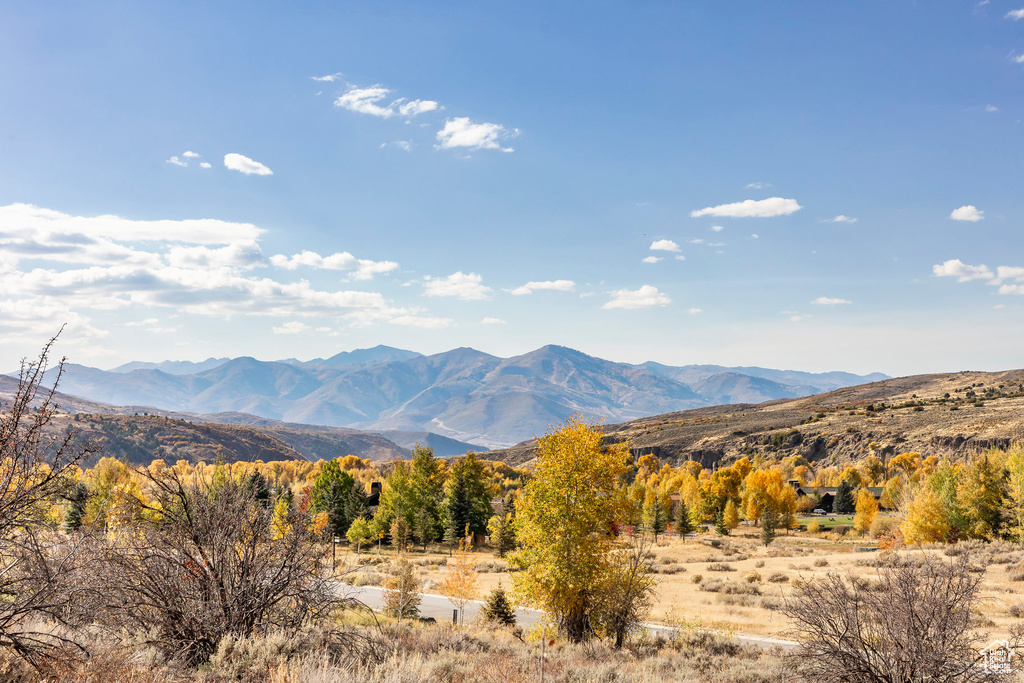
x=948 y=415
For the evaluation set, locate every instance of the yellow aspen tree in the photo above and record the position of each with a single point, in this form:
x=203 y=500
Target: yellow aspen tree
x=1015 y=492
x=925 y=521
x=460 y=583
x=731 y=515
x=563 y=523
x=866 y=511
x=281 y=525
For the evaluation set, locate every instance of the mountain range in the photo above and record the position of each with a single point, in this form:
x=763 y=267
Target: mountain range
x=461 y=394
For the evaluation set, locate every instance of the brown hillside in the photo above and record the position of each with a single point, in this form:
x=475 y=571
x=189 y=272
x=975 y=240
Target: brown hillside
x=982 y=409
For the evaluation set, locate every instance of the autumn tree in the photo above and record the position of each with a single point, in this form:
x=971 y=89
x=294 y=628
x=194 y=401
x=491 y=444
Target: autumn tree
x=654 y=517
x=501 y=527
x=866 y=511
x=624 y=598
x=459 y=584
x=563 y=523
x=982 y=492
x=925 y=521
x=359 y=532
x=730 y=515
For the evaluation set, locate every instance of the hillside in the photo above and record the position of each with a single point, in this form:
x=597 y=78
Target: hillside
x=947 y=415
x=462 y=394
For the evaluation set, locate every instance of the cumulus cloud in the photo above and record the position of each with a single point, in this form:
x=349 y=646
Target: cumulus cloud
x=843 y=219
x=647 y=296
x=464 y=286
x=404 y=145
x=1015 y=14
x=1018 y=59
x=717 y=228
x=967 y=212
x=177 y=162
x=371 y=101
x=552 y=285
x=991 y=108
x=493 y=321
x=205 y=164
x=960 y=270
x=291 y=327
x=664 y=245
x=329 y=78
x=243 y=164
x=829 y=301
x=190 y=155
x=463 y=133
x=362 y=269
x=651 y=259
x=751 y=208
x=198 y=266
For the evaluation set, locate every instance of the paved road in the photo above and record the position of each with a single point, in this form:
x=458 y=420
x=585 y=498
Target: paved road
x=440 y=608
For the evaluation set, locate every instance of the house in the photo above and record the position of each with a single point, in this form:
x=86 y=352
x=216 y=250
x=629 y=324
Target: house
x=827 y=494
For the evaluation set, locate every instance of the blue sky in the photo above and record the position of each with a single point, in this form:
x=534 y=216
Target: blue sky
x=804 y=185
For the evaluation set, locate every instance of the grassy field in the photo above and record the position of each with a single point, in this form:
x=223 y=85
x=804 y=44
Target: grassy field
x=827 y=522
x=736 y=583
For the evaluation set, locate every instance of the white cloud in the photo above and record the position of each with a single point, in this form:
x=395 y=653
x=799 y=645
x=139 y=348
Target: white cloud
x=329 y=78
x=404 y=145
x=1015 y=14
x=1019 y=59
x=991 y=108
x=755 y=235
x=190 y=155
x=177 y=162
x=963 y=272
x=291 y=327
x=461 y=132
x=647 y=296
x=717 y=228
x=798 y=317
x=829 y=301
x=243 y=164
x=696 y=240
x=552 y=285
x=751 y=208
x=205 y=164
x=416 y=107
x=188 y=266
x=680 y=258
x=363 y=269
x=369 y=101
x=421 y=321
x=967 y=212
x=759 y=185
x=843 y=219
x=695 y=311
x=651 y=259
x=464 y=286
x=493 y=321
x=1008 y=273
x=664 y=245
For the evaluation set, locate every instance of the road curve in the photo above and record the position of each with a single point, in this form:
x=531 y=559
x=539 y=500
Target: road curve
x=440 y=608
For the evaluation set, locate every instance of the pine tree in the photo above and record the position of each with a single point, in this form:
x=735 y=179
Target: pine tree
x=682 y=522
x=451 y=534
x=769 y=523
x=843 y=503
x=77 y=500
x=497 y=609
x=720 y=526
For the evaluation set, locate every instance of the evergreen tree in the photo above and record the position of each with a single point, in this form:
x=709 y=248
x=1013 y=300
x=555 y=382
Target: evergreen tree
x=457 y=507
x=400 y=533
x=720 y=526
x=330 y=493
x=356 y=506
x=682 y=522
x=77 y=499
x=259 y=487
x=501 y=528
x=844 y=502
x=468 y=473
x=769 y=523
x=497 y=609
x=451 y=535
